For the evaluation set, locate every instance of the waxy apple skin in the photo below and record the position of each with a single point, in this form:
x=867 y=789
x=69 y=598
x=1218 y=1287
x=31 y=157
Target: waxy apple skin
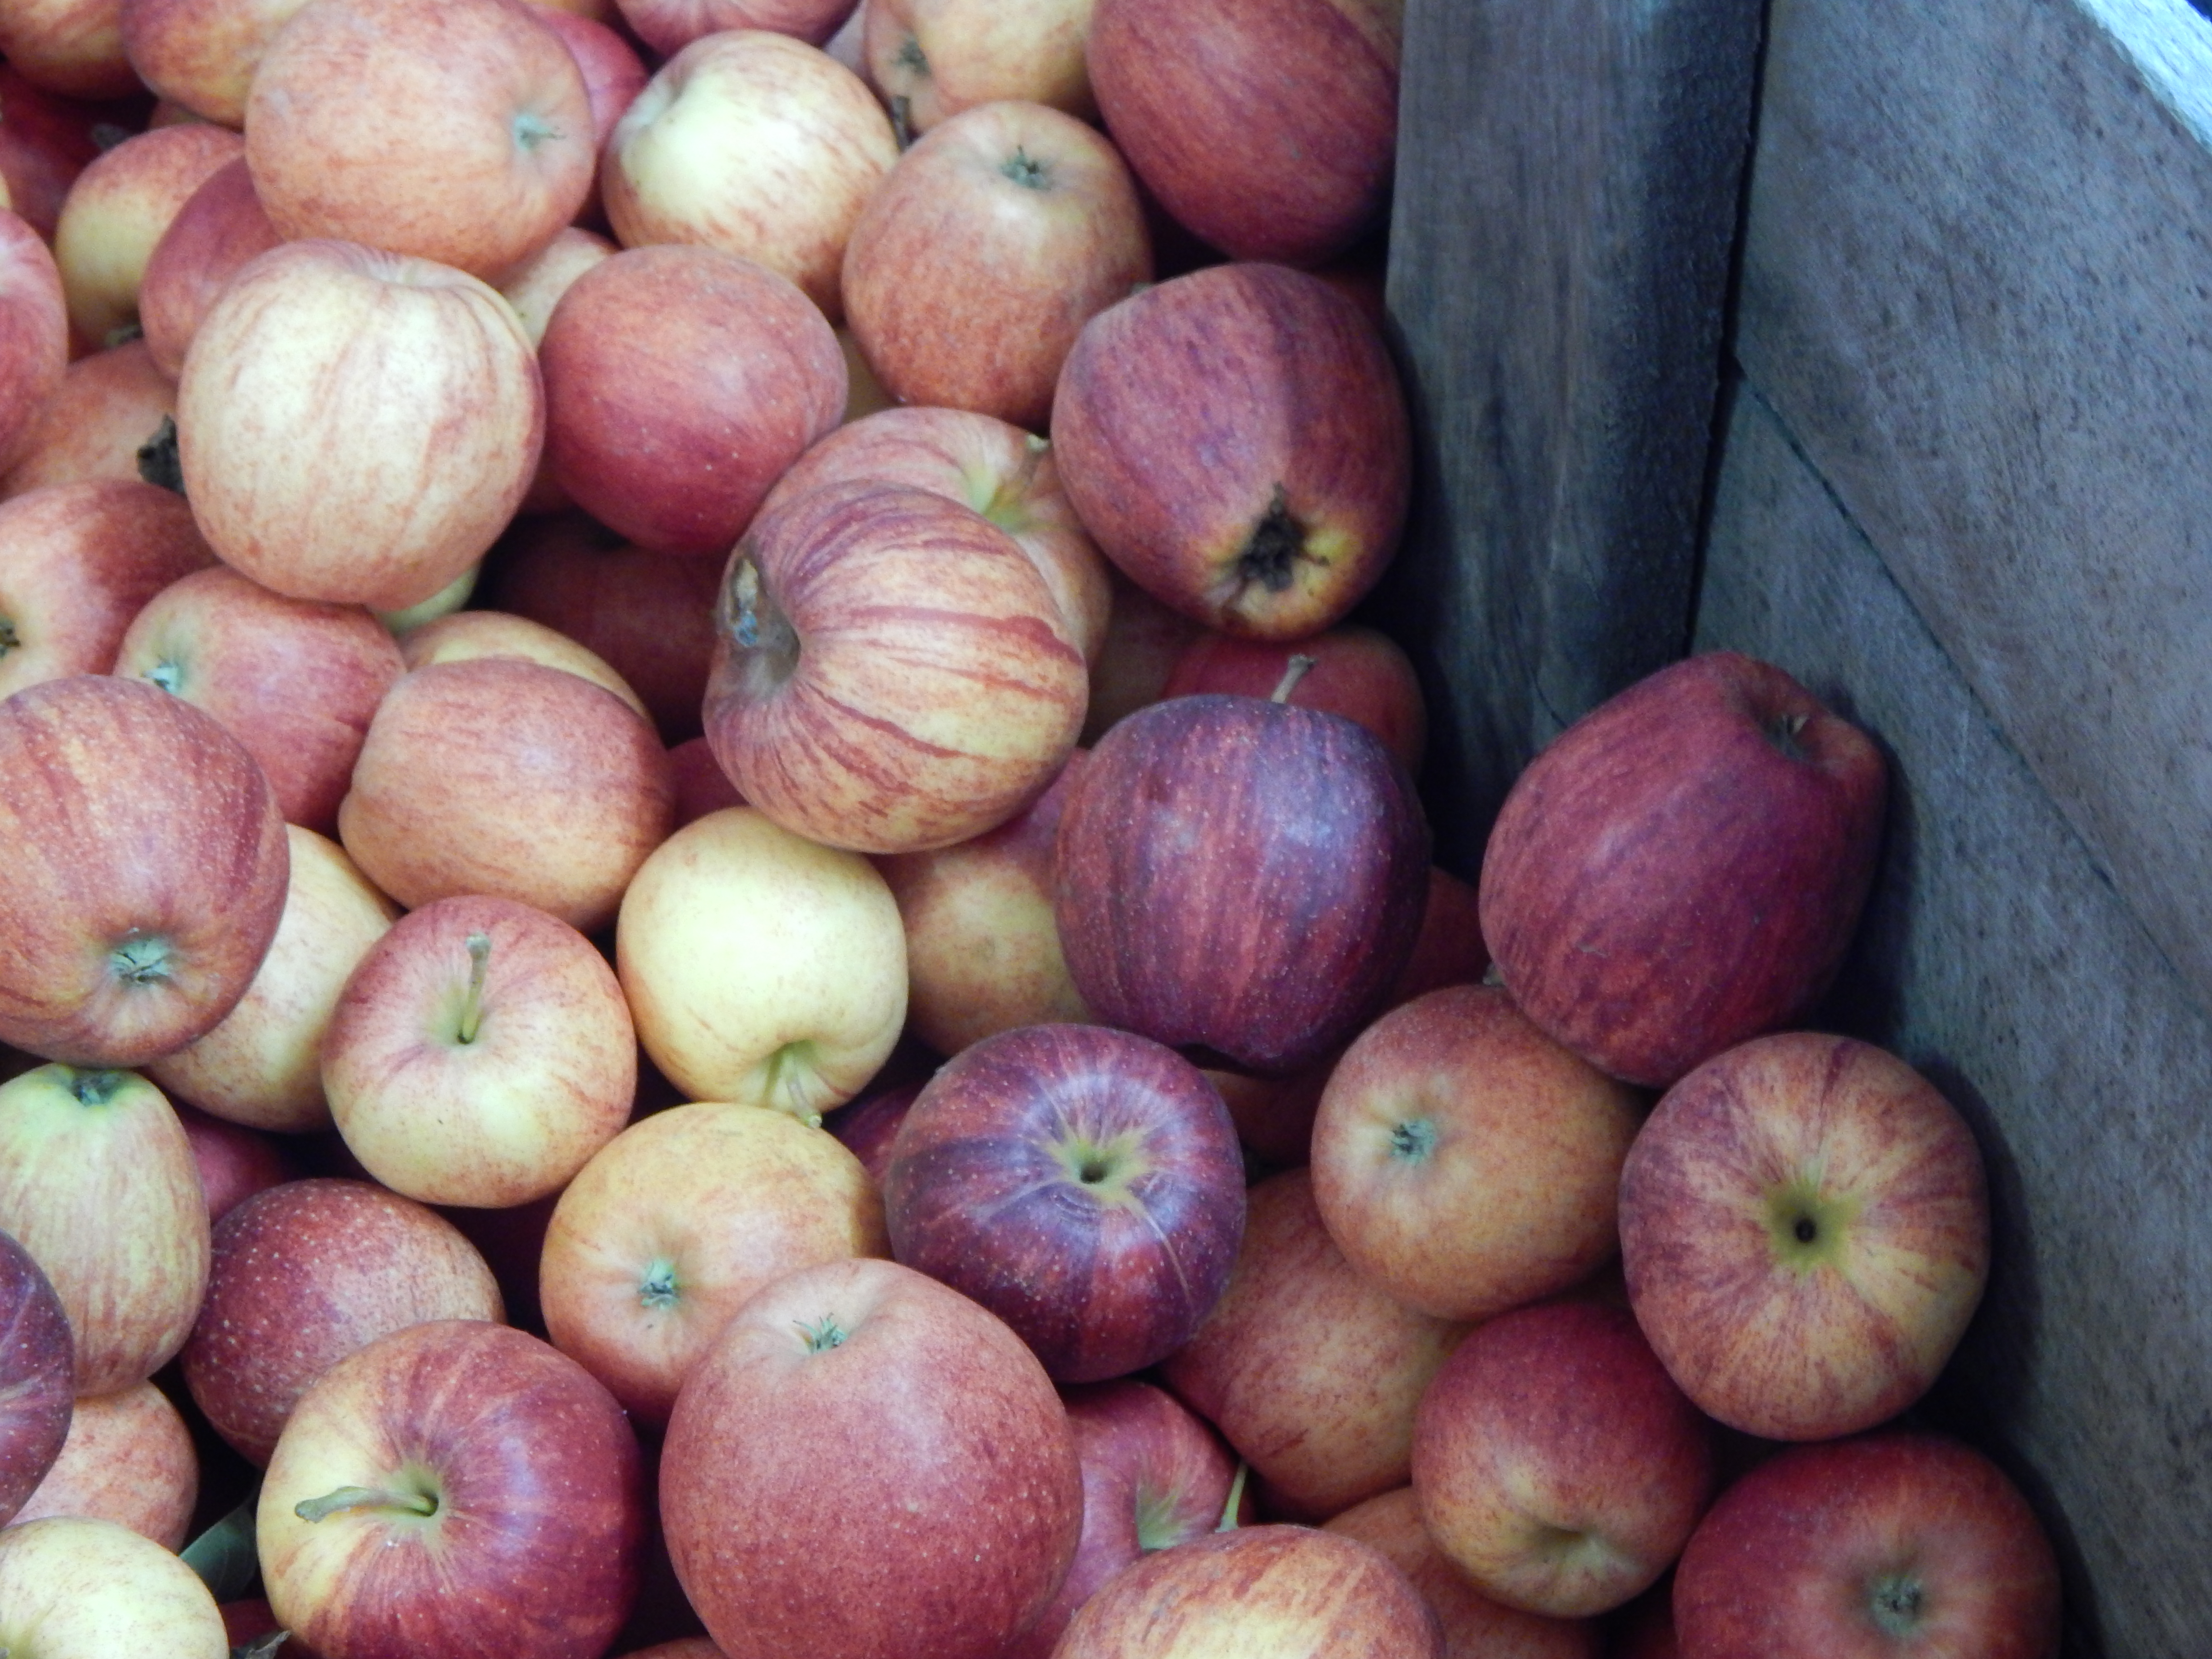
x=71 y=1586
x=1804 y=1226
x=1082 y=1183
x=145 y=876
x=34 y=333
x=36 y=1375
x=1683 y=868
x=1236 y=874
x=1238 y=440
x=1868 y=1549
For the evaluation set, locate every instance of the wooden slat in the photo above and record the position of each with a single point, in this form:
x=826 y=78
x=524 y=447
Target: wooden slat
x=1997 y=960
x=1566 y=199
x=1978 y=287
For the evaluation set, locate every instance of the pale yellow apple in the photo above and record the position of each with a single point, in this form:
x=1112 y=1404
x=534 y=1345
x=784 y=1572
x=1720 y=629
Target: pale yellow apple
x=761 y=967
x=72 y=1587
x=464 y=634
x=115 y=212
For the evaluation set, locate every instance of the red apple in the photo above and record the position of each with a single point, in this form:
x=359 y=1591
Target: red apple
x=356 y=427
x=145 y=876
x=1269 y=127
x=866 y=1462
x=1142 y=641
x=111 y=406
x=454 y=1487
x=296 y=681
x=220 y=228
x=129 y=1460
x=1240 y=875
x=869 y=1125
x=1082 y=1183
x=1804 y=1224
x=536 y=286
x=116 y=214
x=46 y=141
x=1450 y=950
x=613 y=74
x=1683 y=868
x=938 y=57
x=984 y=251
x=72 y=47
x=508 y=778
x=340 y=147
x=304 y=1274
x=1358 y=673
x=892 y=673
x=669 y=26
x=701 y=786
x=1257 y=1593
x=1236 y=440
x=1556 y=1461
x=77 y=562
x=233 y=1161
x=202 y=54
x=480 y=1055
x=1871 y=1548
x=680 y=382
x=37 y=1375
x=1312 y=1372
x=673 y=1226
x=33 y=334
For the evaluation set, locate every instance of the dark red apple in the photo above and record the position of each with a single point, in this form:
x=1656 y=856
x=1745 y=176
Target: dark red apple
x=701 y=786
x=235 y=1161
x=37 y=1372
x=145 y=875
x=867 y=1463
x=869 y=1126
x=1082 y=1183
x=46 y=141
x=1878 y=1547
x=1358 y=672
x=1236 y=440
x=1241 y=876
x=1683 y=868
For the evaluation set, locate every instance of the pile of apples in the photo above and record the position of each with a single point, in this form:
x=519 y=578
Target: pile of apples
x=713 y=929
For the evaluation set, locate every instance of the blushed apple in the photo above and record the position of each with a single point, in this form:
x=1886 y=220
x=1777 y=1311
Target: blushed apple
x=938 y=57
x=116 y=213
x=129 y=1459
x=466 y=636
x=669 y=26
x=72 y=47
x=235 y=1161
x=33 y=334
x=1358 y=672
x=220 y=226
x=203 y=53
x=110 y=407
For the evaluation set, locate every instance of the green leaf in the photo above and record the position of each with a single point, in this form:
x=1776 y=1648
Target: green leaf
x=224 y=1555
x=261 y=1646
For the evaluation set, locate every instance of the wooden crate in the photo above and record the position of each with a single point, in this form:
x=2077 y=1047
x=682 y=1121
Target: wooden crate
x=1918 y=405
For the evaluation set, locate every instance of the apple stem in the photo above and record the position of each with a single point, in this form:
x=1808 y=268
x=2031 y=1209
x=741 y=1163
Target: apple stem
x=364 y=1498
x=1236 y=1498
x=472 y=1006
x=1293 y=672
x=140 y=960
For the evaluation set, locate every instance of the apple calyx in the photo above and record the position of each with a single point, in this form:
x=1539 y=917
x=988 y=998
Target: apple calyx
x=348 y=1499
x=1270 y=554
x=658 y=1289
x=93 y=1088
x=10 y=641
x=141 y=959
x=1413 y=1140
x=471 y=1015
x=531 y=130
x=1895 y=1602
x=1026 y=170
x=823 y=1335
x=158 y=461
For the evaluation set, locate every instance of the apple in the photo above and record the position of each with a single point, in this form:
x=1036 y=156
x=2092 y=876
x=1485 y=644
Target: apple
x=1240 y=875
x=1153 y=1476
x=1450 y=950
x=234 y=1162
x=454 y=131
x=978 y=260
x=37 y=1375
x=934 y=58
x=761 y=967
x=33 y=334
x=1358 y=673
x=220 y=226
x=261 y=1067
x=480 y=1055
x=77 y=562
x=111 y=406
x=1557 y=1463
x=536 y=286
x=1473 y=1625
x=356 y=427
x=97 y=1182
x=467 y=635
x=675 y=1222
x=203 y=53
x=75 y=1588
x=1683 y=868
x=1464 y=1161
x=613 y=75
x=115 y=214
x=869 y=1126
x=296 y=681
x=982 y=950
x=1268 y=127
x=306 y=1273
x=701 y=786
x=453 y=1487
x=1082 y=1183
x=129 y=1459
x=669 y=26
x=1805 y=1229
x=1143 y=641
x=866 y=1462
x=1311 y=1372
x=72 y=47
x=649 y=615
x=680 y=382
x=145 y=875
x=754 y=143
x=1273 y=1592
x=891 y=674
x=45 y=142
x=1004 y=473
x=509 y=778
x=1886 y=1544
x=1238 y=440
x=443 y=603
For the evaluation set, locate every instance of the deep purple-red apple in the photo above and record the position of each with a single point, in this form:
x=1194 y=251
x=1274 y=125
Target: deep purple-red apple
x=36 y=1375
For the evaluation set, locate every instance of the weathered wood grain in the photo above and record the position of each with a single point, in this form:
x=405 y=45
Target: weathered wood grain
x=1996 y=959
x=1977 y=288
x=1566 y=201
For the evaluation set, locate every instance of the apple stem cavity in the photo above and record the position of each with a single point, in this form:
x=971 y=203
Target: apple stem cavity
x=1274 y=546
x=903 y=118
x=1025 y=170
x=1781 y=731
x=10 y=641
x=825 y=1334
x=1293 y=671
x=657 y=1289
x=95 y=1088
x=1896 y=1604
x=365 y=1498
x=159 y=464
x=532 y=131
x=479 y=948
x=142 y=959
x=1236 y=1498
